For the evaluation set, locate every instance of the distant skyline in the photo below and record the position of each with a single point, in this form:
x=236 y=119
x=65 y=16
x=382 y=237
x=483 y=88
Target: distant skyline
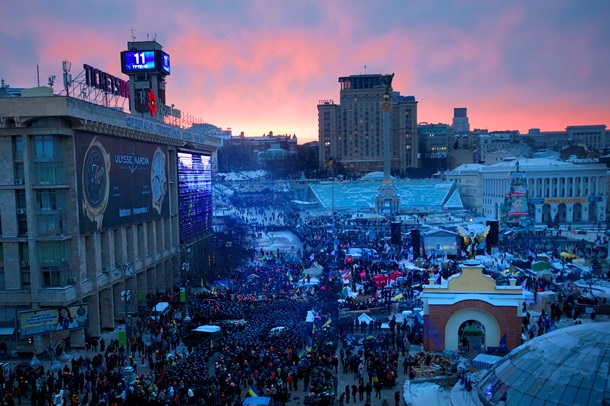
x=260 y=66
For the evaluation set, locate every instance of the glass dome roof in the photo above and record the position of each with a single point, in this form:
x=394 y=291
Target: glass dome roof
x=569 y=366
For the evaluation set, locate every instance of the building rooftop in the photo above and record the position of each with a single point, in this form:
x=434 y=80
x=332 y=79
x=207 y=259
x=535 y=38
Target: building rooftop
x=414 y=194
x=568 y=366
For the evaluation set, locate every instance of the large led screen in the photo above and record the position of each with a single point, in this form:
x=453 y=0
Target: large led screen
x=120 y=181
x=194 y=194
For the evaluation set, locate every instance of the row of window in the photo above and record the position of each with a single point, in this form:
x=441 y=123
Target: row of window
x=53 y=261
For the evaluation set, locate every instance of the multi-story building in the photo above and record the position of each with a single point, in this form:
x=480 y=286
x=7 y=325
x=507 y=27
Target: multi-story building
x=96 y=203
x=468 y=181
x=568 y=192
x=351 y=133
x=594 y=137
x=460 y=120
x=435 y=139
x=496 y=141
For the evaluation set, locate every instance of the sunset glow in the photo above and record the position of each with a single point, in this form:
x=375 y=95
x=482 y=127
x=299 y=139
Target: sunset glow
x=260 y=66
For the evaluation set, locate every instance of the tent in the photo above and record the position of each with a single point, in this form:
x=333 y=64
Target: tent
x=314 y=270
x=276 y=330
x=568 y=255
x=529 y=296
x=207 y=329
x=380 y=280
x=365 y=318
x=485 y=361
x=546 y=274
x=347 y=292
x=257 y=400
x=472 y=330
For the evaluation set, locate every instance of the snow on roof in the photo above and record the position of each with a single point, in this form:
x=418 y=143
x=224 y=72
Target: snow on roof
x=427 y=194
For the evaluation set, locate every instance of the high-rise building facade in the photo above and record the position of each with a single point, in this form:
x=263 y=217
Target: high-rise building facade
x=96 y=203
x=351 y=132
x=460 y=120
x=100 y=208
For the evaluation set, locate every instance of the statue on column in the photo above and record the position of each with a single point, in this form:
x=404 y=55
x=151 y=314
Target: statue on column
x=472 y=239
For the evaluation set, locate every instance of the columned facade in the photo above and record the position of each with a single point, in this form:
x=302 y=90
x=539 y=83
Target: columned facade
x=58 y=248
x=568 y=192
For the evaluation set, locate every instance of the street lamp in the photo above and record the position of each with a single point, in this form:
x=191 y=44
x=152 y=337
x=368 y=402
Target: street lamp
x=127 y=271
x=126 y=297
x=186 y=267
x=55 y=360
x=229 y=244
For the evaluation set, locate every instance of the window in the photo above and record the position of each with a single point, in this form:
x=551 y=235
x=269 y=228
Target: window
x=44 y=147
x=2 y=282
x=24 y=264
x=49 y=166
x=22 y=218
x=18 y=147
x=54 y=265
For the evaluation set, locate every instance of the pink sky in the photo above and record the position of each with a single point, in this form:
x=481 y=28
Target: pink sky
x=260 y=66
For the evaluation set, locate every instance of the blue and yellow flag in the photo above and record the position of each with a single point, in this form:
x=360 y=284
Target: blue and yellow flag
x=307 y=343
x=289 y=275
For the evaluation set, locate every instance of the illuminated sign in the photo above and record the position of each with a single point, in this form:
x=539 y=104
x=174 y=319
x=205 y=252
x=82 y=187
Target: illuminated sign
x=49 y=320
x=194 y=194
x=139 y=61
x=154 y=61
x=106 y=82
x=165 y=63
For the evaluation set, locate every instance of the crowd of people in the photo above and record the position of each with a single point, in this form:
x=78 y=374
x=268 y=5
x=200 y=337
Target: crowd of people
x=280 y=338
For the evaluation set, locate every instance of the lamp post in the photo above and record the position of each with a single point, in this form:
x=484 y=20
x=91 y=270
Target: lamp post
x=126 y=297
x=186 y=267
x=229 y=244
x=126 y=270
x=52 y=350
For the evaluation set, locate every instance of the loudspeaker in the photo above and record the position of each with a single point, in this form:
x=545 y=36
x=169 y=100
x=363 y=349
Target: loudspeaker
x=395 y=233
x=492 y=237
x=416 y=241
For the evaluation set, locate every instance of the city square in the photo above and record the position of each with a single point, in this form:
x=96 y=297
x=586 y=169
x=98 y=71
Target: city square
x=438 y=233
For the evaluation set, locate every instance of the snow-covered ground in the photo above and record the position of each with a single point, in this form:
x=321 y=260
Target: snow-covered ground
x=284 y=241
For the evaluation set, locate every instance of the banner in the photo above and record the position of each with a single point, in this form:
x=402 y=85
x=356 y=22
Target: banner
x=46 y=321
x=120 y=181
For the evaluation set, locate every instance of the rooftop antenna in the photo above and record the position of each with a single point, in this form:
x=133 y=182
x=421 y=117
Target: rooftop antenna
x=155 y=37
x=147 y=37
x=66 y=65
x=133 y=37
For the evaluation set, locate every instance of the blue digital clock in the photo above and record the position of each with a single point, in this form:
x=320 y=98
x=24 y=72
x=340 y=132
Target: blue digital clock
x=145 y=61
x=139 y=61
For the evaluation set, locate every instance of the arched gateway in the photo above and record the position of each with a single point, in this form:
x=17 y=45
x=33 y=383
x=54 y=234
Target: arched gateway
x=471 y=295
